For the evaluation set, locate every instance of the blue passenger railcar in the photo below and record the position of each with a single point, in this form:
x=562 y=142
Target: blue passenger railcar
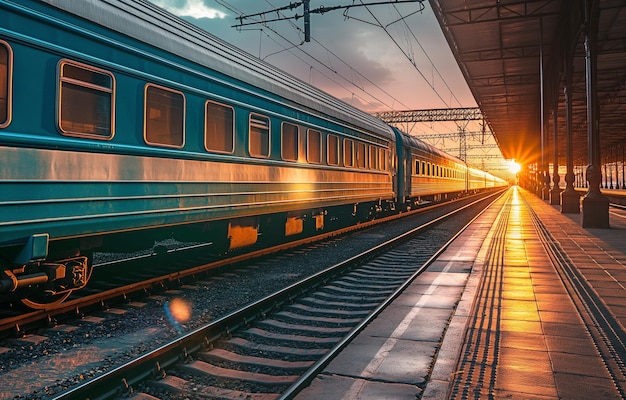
x=121 y=124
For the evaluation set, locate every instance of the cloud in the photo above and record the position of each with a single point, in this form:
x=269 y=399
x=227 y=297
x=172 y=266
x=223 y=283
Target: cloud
x=190 y=8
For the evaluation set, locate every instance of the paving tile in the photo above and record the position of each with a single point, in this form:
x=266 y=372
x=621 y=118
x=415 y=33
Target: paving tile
x=522 y=340
x=445 y=297
x=337 y=387
x=559 y=316
x=524 y=382
x=402 y=361
x=525 y=359
x=579 y=364
x=526 y=314
x=568 y=345
x=583 y=387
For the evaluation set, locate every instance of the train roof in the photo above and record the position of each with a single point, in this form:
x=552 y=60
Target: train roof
x=150 y=24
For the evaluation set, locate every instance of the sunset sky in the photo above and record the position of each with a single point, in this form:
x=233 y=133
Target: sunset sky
x=350 y=56
x=376 y=58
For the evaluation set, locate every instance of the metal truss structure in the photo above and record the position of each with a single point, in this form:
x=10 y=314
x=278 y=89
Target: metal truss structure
x=464 y=143
x=434 y=115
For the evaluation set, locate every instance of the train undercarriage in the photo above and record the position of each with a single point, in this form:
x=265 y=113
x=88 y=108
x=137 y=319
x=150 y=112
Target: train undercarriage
x=43 y=272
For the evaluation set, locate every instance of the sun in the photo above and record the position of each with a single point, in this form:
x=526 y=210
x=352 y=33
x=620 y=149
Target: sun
x=514 y=167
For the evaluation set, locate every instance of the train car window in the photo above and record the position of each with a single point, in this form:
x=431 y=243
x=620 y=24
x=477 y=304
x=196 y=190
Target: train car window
x=259 y=136
x=333 y=150
x=373 y=157
x=164 y=119
x=86 y=101
x=314 y=146
x=348 y=152
x=360 y=154
x=382 y=161
x=290 y=142
x=417 y=167
x=6 y=72
x=428 y=169
x=219 y=128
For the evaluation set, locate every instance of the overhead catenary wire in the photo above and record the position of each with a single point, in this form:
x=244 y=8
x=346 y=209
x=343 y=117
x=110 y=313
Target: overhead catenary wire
x=225 y=4
x=326 y=67
x=411 y=60
x=319 y=10
x=427 y=56
x=329 y=68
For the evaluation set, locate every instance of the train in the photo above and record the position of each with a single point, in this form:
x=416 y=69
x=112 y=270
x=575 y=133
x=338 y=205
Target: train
x=122 y=124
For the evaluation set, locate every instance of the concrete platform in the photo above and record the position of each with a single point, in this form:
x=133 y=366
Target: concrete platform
x=497 y=317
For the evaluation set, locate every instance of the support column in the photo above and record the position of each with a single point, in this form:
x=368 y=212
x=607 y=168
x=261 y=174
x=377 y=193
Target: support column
x=605 y=176
x=623 y=165
x=570 y=200
x=543 y=169
x=546 y=184
x=555 y=193
x=610 y=168
x=595 y=206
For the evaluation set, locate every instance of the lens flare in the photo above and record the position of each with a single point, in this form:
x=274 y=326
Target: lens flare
x=514 y=167
x=180 y=310
x=177 y=311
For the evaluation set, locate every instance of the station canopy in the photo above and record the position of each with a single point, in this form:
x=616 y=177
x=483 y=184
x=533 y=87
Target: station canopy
x=506 y=48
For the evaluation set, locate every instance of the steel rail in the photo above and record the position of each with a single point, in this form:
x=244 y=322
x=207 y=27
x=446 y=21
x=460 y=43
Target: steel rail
x=16 y=324
x=310 y=374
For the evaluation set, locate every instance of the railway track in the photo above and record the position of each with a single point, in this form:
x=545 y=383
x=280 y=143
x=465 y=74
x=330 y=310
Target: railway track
x=276 y=345
x=138 y=276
